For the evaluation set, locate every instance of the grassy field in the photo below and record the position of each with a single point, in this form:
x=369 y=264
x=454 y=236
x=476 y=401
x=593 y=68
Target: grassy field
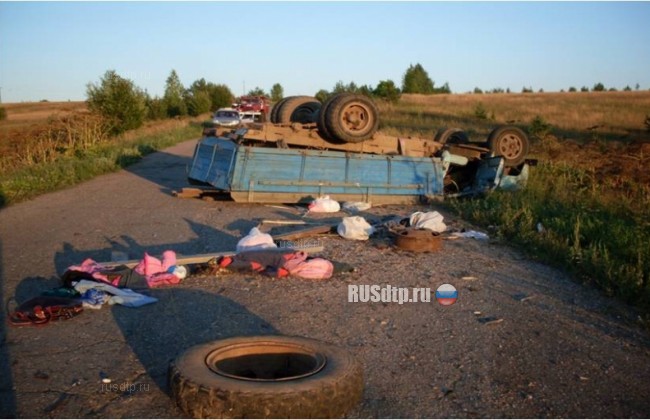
x=587 y=206
x=46 y=146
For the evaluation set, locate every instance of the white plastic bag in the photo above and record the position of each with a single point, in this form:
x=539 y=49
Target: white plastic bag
x=324 y=205
x=255 y=240
x=354 y=207
x=355 y=228
x=431 y=220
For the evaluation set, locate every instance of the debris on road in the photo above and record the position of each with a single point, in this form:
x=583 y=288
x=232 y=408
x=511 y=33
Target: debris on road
x=324 y=205
x=355 y=228
x=255 y=240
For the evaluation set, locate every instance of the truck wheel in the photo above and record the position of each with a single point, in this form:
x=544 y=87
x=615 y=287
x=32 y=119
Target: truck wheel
x=451 y=136
x=266 y=377
x=511 y=143
x=276 y=107
x=300 y=109
x=352 y=118
x=323 y=131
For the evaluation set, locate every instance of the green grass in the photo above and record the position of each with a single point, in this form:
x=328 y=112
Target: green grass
x=594 y=226
x=84 y=164
x=560 y=219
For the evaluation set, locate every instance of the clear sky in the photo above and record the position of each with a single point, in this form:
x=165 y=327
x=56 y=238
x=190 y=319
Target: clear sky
x=53 y=50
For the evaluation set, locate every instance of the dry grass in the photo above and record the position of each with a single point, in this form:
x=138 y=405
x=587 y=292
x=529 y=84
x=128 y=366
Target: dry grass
x=619 y=115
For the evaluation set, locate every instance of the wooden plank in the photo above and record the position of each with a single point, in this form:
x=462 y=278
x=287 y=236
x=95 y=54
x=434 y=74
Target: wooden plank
x=204 y=258
x=303 y=233
x=305 y=136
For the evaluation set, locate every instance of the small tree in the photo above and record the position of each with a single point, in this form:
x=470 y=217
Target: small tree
x=156 y=109
x=220 y=96
x=584 y=89
x=598 y=87
x=478 y=90
x=277 y=92
x=198 y=102
x=119 y=100
x=322 y=95
x=416 y=80
x=173 y=98
x=627 y=88
x=573 y=89
x=258 y=91
x=387 y=91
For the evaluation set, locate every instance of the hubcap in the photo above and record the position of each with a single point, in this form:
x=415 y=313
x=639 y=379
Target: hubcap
x=510 y=146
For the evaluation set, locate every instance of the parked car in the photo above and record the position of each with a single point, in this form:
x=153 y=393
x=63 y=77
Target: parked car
x=249 y=117
x=226 y=117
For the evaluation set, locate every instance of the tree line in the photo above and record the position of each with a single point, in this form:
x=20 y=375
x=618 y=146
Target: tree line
x=127 y=106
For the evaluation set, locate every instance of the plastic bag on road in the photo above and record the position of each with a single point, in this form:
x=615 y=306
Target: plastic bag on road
x=354 y=207
x=355 y=228
x=324 y=205
x=431 y=220
x=255 y=240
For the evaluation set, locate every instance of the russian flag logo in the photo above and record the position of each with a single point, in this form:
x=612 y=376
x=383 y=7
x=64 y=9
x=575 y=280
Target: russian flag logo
x=446 y=294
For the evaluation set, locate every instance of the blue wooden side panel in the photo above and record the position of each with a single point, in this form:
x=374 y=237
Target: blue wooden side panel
x=212 y=162
x=327 y=172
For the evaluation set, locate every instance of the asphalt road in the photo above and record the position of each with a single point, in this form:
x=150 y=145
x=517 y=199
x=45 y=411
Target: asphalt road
x=561 y=349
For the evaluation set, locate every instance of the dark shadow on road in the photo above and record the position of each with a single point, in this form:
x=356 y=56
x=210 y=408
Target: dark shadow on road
x=208 y=239
x=159 y=332
x=7 y=394
x=164 y=169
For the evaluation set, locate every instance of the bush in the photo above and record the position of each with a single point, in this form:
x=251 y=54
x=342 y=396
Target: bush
x=387 y=91
x=480 y=112
x=3 y=113
x=118 y=100
x=198 y=103
x=539 y=127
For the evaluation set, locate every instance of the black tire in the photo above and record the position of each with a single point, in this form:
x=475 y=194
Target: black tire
x=266 y=377
x=451 y=136
x=323 y=131
x=276 y=107
x=300 y=109
x=352 y=118
x=511 y=143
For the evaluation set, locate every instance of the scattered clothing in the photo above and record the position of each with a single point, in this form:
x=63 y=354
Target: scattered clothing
x=126 y=297
x=279 y=264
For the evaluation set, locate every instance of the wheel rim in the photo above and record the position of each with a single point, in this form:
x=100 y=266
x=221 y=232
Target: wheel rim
x=356 y=118
x=265 y=361
x=510 y=146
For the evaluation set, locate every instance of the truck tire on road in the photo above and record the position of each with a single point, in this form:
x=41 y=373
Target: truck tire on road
x=266 y=377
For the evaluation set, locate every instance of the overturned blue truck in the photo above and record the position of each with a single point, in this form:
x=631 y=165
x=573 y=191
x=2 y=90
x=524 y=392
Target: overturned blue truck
x=309 y=149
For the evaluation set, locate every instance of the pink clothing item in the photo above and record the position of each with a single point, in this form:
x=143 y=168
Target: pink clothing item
x=152 y=265
x=93 y=268
x=314 y=269
x=156 y=272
